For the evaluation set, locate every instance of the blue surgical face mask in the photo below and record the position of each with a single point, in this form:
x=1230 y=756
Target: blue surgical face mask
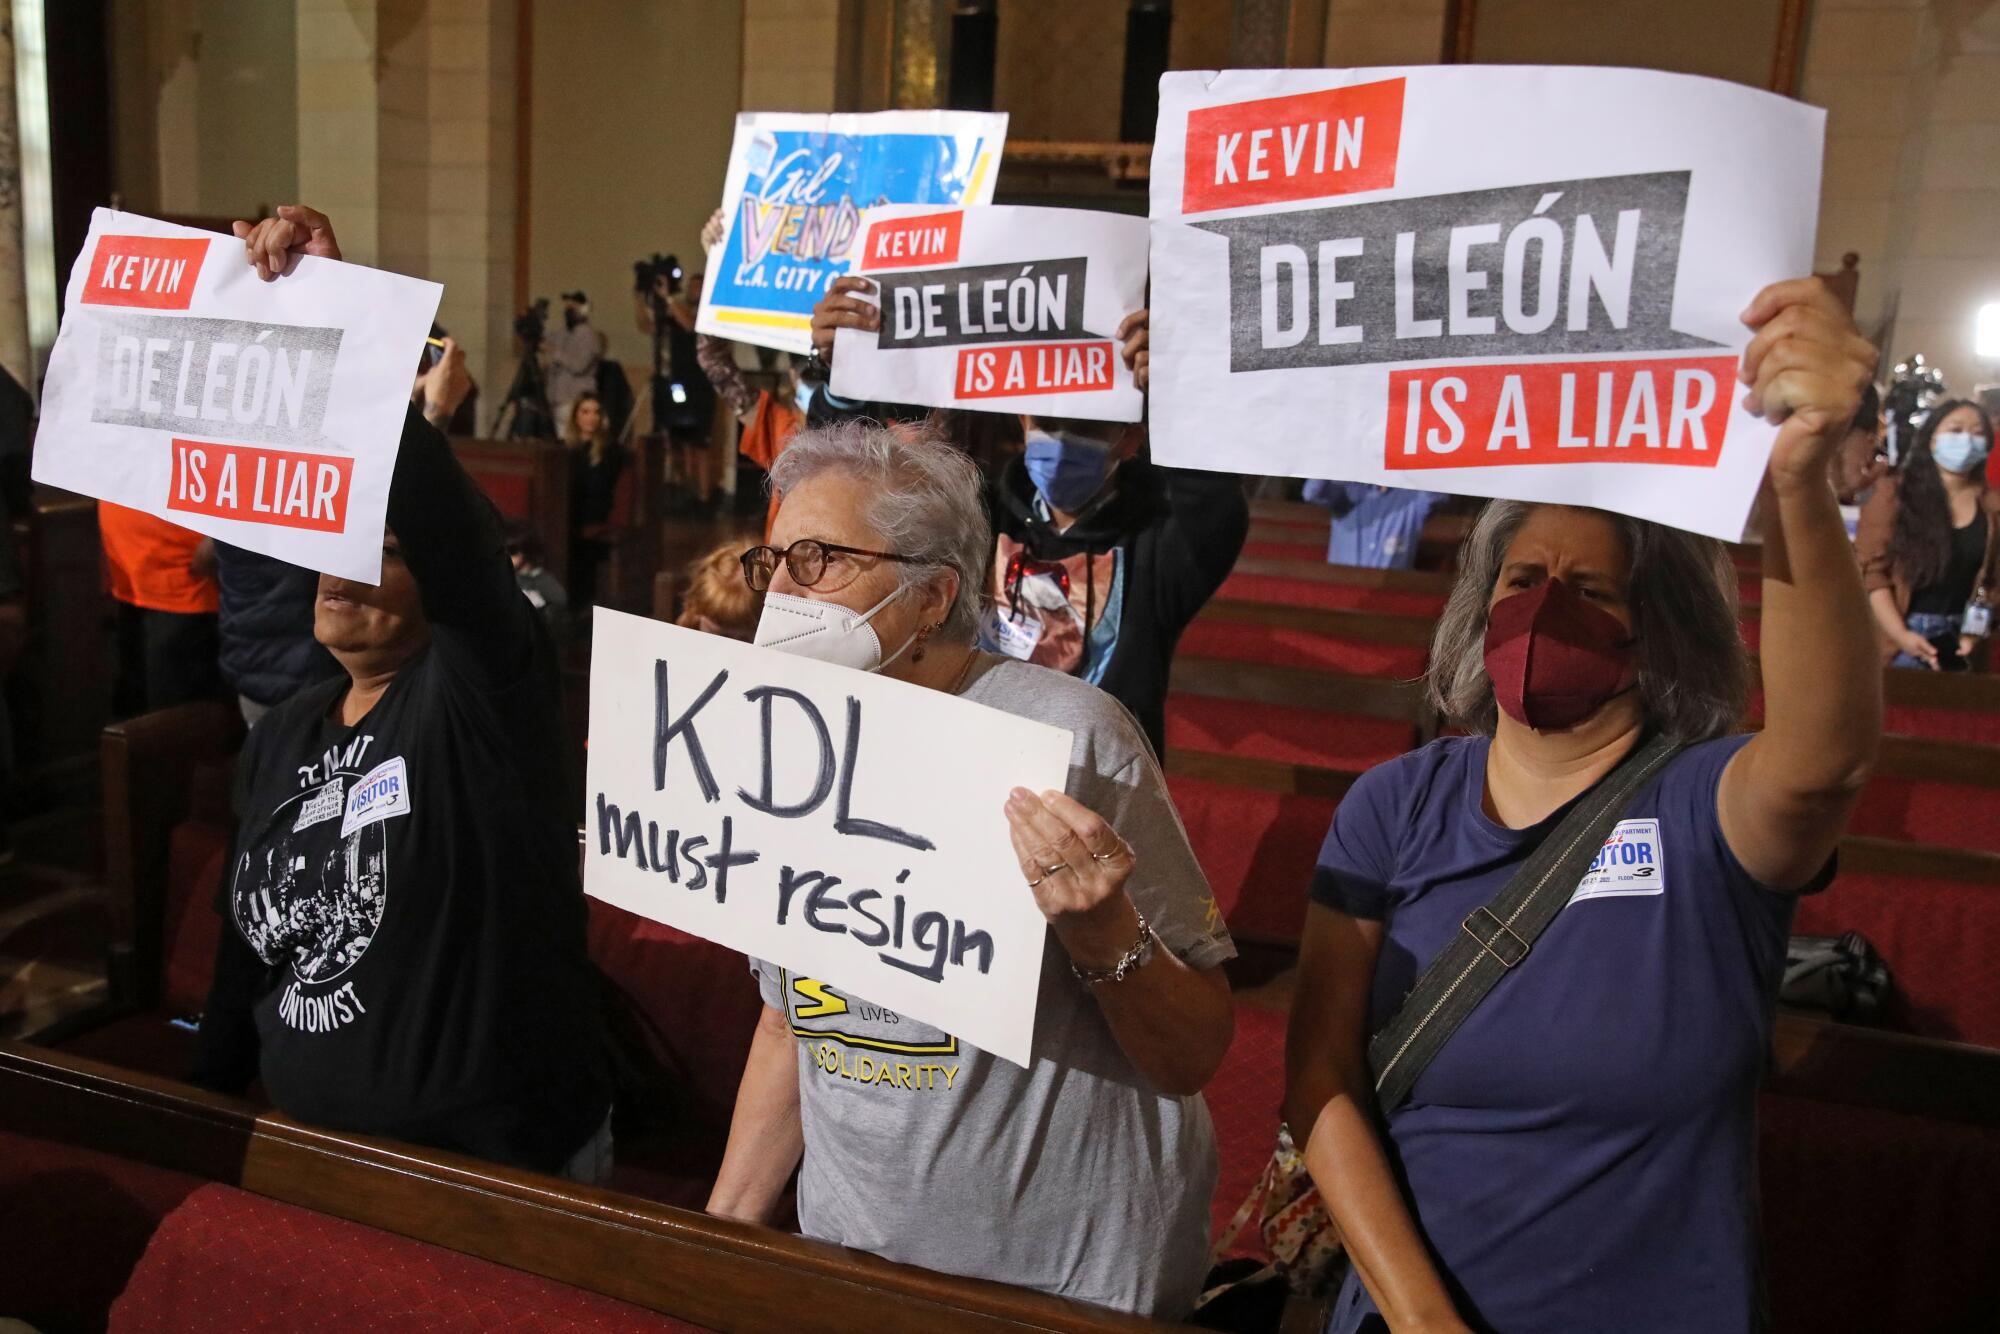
x=1958 y=451
x=1068 y=469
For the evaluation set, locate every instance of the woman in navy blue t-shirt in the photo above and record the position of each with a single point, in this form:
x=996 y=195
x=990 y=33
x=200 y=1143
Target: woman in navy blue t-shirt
x=1579 y=1156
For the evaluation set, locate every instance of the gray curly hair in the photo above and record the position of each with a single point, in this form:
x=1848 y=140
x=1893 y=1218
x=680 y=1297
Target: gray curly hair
x=926 y=499
x=1694 y=676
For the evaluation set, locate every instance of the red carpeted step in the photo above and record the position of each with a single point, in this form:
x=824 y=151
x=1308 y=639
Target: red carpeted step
x=1258 y=850
x=1954 y=815
x=1243 y=642
x=1310 y=593
x=1286 y=734
x=1243 y=1102
x=1940 y=938
x=1972 y=726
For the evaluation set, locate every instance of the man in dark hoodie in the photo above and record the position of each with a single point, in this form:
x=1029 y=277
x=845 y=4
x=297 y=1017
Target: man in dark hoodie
x=266 y=628
x=1102 y=556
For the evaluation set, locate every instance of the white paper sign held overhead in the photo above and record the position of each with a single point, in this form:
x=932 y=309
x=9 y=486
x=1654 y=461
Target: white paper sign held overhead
x=998 y=309
x=1501 y=281
x=263 y=414
x=848 y=827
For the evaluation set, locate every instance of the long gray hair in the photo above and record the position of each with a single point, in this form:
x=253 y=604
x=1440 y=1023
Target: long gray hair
x=924 y=497
x=1694 y=676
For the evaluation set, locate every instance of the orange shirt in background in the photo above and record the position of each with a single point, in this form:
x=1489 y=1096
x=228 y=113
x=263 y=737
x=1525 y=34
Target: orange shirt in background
x=771 y=428
x=150 y=562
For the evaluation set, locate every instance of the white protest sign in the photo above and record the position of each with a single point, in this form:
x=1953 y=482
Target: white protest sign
x=1001 y=309
x=264 y=414
x=792 y=202
x=841 y=824
x=1498 y=281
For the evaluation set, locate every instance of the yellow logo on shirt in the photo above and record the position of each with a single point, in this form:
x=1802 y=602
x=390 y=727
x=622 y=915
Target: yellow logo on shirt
x=824 y=1000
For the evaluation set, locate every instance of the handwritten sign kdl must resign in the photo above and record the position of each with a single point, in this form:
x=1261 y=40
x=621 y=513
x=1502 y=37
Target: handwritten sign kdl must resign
x=1002 y=309
x=1501 y=281
x=846 y=826
x=264 y=414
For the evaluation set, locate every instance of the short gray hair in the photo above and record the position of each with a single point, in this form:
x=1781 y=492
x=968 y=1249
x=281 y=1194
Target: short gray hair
x=1694 y=676
x=926 y=499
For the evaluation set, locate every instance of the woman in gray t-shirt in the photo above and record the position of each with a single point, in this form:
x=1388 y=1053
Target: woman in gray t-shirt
x=1089 y=1173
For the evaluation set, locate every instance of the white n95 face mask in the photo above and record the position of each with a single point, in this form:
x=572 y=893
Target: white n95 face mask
x=826 y=631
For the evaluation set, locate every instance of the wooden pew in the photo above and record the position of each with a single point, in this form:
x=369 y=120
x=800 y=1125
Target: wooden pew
x=64 y=671
x=526 y=480
x=714 y=1272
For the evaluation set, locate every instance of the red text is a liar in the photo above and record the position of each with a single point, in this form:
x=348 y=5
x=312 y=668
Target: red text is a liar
x=1664 y=411
x=151 y=272
x=268 y=486
x=1300 y=146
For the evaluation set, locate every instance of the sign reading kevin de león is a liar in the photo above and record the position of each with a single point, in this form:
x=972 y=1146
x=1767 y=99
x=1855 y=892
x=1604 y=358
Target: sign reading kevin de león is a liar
x=845 y=826
x=999 y=309
x=1501 y=280
x=264 y=414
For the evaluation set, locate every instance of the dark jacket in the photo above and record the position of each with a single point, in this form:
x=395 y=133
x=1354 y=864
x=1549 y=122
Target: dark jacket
x=266 y=626
x=1181 y=531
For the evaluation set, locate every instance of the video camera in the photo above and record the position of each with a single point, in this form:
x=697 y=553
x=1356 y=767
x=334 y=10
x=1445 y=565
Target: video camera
x=646 y=271
x=530 y=323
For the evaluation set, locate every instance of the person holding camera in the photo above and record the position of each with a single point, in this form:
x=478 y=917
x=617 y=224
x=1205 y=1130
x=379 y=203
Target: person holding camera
x=573 y=353
x=1929 y=543
x=664 y=305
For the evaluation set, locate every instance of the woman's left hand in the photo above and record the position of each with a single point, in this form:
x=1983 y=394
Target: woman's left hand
x=1077 y=866
x=1806 y=367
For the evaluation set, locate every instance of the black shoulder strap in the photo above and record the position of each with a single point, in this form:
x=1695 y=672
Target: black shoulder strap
x=1496 y=938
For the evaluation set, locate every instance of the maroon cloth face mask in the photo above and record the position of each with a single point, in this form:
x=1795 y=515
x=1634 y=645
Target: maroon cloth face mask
x=1553 y=657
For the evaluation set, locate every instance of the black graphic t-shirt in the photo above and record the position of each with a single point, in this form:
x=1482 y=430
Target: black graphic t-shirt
x=407 y=954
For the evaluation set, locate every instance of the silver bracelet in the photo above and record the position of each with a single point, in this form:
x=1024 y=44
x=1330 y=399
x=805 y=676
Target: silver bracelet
x=1129 y=963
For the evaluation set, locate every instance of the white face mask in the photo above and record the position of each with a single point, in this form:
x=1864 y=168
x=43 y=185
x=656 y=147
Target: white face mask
x=826 y=631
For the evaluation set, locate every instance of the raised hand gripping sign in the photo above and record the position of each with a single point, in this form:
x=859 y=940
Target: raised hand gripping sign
x=264 y=414
x=1500 y=281
x=793 y=198
x=846 y=826
x=1002 y=309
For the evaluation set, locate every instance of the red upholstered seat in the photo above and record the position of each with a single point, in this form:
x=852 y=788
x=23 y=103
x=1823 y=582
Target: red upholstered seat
x=1972 y=726
x=1243 y=1102
x=1258 y=850
x=73 y=1222
x=1313 y=593
x=1953 y=815
x=1940 y=938
x=227 y=1259
x=1288 y=735
x=1307 y=546
x=1244 y=642
x=510 y=492
x=190 y=928
x=1877 y=1220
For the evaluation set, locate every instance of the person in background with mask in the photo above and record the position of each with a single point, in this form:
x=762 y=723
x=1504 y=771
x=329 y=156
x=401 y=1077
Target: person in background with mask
x=1376 y=527
x=1090 y=1173
x=1102 y=556
x=1929 y=543
x=573 y=353
x=1580 y=1154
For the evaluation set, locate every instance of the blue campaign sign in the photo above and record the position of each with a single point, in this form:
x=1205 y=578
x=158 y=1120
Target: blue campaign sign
x=793 y=201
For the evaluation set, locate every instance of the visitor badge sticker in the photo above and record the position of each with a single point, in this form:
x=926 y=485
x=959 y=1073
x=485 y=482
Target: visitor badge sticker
x=1629 y=863
x=998 y=309
x=266 y=415
x=1491 y=280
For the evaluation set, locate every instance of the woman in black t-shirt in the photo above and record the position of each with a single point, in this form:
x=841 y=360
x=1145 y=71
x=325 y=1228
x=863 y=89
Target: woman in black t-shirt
x=403 y=948
x=1929 y=543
